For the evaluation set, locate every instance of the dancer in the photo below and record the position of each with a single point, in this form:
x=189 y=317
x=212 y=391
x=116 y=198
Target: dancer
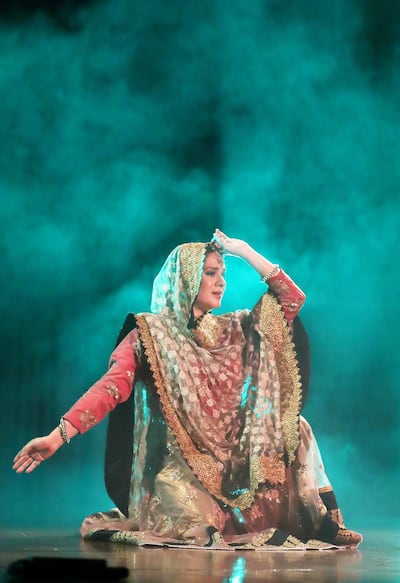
x=206 y=444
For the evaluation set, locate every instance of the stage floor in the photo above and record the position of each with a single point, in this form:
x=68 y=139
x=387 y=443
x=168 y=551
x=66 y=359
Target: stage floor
x=376 y=561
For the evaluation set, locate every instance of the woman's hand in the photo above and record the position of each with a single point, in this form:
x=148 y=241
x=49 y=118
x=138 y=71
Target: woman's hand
x=228 y=245
x=240 y=248
x=36 y=451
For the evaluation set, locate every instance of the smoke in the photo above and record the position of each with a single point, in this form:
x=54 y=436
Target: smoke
x=129 y=128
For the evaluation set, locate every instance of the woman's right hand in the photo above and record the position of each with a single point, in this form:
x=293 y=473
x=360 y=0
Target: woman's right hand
x=36 y=451
x=229 y=245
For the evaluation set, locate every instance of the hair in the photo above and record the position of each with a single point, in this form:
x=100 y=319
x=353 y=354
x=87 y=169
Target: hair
x=213 y=248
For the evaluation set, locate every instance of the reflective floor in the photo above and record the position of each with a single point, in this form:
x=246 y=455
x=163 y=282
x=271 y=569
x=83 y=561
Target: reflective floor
x=377 y=560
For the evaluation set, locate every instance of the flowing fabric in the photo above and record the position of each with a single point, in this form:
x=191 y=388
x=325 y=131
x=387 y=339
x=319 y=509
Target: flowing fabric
x=221 y=456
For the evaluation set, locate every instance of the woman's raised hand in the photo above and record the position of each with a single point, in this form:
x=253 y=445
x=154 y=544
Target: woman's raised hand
x=36 y=451
x=240 y=248
x=229 y=245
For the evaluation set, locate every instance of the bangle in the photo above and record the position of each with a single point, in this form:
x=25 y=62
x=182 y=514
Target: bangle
x=63 y=431
x=274 y=271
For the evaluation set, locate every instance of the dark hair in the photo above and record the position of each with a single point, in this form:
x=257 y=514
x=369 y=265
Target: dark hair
x=213 y=248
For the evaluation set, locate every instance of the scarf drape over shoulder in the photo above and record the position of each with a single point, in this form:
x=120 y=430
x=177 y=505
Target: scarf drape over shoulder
x=229 y=389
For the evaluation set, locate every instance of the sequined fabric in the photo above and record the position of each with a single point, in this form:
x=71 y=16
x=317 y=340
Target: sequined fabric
x=220 y=385
x=179 y=510
x=218 y=443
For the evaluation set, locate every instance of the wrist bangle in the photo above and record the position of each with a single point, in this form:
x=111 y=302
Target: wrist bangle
x=63 y=431
x=274 y=271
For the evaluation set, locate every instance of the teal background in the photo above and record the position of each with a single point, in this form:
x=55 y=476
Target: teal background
x=130 y=127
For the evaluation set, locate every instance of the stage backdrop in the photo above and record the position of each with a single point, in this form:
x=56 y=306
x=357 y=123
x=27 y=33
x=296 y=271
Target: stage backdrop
x=130 y=127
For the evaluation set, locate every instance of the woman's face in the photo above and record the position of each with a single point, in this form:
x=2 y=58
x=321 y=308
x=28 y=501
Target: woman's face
x=212 y=285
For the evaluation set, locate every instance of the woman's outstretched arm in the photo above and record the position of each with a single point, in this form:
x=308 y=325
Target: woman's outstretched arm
x=112 y=388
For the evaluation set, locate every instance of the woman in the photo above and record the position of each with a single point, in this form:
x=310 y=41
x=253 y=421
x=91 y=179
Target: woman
x=219 y=455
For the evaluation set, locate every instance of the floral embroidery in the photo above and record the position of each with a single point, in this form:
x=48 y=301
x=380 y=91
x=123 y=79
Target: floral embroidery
x=113 y=390
x=88 y=419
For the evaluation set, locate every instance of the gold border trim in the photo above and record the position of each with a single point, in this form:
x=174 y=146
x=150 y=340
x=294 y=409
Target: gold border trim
x=276 y=328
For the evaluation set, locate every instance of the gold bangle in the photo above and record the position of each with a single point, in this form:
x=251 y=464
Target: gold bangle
x=274 y=271
x=63 y=431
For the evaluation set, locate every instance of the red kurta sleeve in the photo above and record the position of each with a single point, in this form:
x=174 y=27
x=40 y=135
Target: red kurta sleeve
x=112 y=388
x=289 y=295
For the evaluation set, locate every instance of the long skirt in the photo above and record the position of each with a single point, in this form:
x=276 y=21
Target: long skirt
x=302 y=513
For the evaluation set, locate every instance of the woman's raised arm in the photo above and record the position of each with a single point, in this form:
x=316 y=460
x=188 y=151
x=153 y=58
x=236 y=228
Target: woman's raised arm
x=289 y=295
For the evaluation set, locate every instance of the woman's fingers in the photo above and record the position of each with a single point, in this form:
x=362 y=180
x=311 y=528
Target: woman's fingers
x=27 y=460
x=23 y=463
x=20 y=458
x=26 y=464
x=219 y=238
x=220 y=235
x=34 y=464
x=215 y=237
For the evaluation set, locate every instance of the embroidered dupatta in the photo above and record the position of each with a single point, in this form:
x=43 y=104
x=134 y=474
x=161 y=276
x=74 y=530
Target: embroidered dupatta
x=229 y=390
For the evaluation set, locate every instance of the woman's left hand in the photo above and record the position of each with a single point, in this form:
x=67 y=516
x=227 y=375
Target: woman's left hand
x=228 y=245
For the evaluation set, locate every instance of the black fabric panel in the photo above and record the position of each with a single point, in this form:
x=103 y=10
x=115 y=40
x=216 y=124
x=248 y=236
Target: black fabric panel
x=329 y=499
x=119 y=441
x=328 y=529
x=277 y=539
x=302 y=346
x=102 y=535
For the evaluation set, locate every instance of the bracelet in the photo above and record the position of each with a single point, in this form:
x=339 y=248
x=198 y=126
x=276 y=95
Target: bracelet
x=274 y=271
x=63 y=431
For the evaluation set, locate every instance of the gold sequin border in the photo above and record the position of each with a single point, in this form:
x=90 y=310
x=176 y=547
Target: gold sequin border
x=275 y=326
x=192 y=256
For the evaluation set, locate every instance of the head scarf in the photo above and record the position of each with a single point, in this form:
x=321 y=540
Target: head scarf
x=176 y=286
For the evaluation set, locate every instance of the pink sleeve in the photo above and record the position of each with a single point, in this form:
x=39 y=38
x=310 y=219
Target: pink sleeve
x=112 y=388
x=290 y=297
